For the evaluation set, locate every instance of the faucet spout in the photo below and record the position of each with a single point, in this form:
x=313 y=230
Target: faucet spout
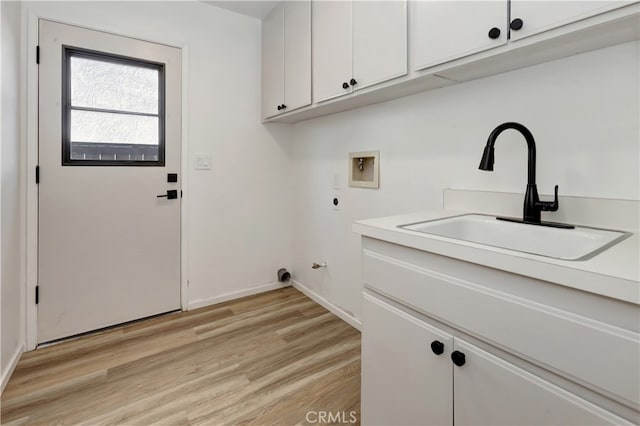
x=532 y=204
x=488 y=157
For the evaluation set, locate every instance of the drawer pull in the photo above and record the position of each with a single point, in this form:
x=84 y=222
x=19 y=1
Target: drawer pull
x=458 y=358
x=437 y=347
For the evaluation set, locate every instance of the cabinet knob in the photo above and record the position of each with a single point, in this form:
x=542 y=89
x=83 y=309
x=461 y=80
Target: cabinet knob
x=345 y=85
x=353 y=82
x=283 y=106
x=516 y=24
x=458 y=358
x=494 y=33
x=279 y=107
x=437 y=347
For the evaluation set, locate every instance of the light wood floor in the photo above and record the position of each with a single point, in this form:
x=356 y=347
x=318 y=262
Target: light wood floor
x=265 y=359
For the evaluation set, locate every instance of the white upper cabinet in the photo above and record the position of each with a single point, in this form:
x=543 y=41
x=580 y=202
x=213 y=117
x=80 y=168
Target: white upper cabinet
x=379 y=41
x=532 y=17
x=273 y=62
x=448 y=30
x=331 y=47
x=297 y=54
x=357 y=44
x=286 y=58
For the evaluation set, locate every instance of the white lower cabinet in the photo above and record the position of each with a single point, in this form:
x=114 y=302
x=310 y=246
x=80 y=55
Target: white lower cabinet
x=403 y=381
x=416 y=374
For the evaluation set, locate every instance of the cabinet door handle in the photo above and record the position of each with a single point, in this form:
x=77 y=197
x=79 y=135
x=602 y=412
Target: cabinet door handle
x=458 y=358
x=516 y=24
x=437 y=347
x=284 y=106
x=279 y=107
x=345 y=85
x=353 y=82
x=494 y=33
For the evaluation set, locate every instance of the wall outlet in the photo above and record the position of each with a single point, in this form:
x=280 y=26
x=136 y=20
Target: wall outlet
x=336 y=201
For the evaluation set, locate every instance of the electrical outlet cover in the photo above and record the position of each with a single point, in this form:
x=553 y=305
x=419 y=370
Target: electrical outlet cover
x=202 y=161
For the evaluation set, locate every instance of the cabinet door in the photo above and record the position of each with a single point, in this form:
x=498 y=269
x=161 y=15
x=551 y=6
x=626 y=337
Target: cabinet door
x=297 y=54
x=448 y=30
x=379 y=41
x=403 y=381
x=492 y=391
x=538 y=16
x=331 y=48
x=273 y=62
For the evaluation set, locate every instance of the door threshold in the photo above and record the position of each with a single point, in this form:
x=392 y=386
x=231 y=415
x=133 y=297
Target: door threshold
x=101 y=330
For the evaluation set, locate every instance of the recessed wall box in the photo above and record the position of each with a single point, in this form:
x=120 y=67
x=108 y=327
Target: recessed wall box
x=364 y=169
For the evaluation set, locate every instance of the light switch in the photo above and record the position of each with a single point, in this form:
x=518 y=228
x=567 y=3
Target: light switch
x=336 y=181
x=202 y=161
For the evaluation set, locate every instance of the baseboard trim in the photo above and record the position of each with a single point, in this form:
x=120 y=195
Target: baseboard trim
x=6 y=375
x=340 y=313
x=235 y=295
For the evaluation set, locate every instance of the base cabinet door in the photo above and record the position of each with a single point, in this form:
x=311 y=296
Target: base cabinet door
x=492 y=391
x=404 y=380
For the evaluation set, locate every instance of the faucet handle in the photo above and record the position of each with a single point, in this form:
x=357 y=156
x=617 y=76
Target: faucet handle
x=550 y=206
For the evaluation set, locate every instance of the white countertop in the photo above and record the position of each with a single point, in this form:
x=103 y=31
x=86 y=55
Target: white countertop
x=613 y=273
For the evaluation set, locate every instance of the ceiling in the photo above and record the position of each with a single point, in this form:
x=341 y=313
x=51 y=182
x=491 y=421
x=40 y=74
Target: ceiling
x=256 y=8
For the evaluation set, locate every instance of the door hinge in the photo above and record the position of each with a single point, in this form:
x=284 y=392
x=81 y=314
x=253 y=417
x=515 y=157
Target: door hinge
x=37 y=294
x=37 y=54
x=37 y=174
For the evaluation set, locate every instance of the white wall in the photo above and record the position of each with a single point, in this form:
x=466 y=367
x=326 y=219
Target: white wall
x=583 y=111
x=11 y=223
x=239 y=218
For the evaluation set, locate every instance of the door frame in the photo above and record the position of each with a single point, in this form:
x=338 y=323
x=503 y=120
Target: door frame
x=29 y=156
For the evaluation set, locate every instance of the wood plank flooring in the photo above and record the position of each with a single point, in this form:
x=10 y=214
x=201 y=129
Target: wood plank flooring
x=267 y=359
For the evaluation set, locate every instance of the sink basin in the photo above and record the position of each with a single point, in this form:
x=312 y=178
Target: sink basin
x=579 y=243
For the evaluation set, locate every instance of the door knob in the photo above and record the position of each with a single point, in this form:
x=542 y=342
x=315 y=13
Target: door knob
x=494 y=33
x=458 y=358
x=345 y=85
x=437 y=347
x=170 y=195
x=516 y=24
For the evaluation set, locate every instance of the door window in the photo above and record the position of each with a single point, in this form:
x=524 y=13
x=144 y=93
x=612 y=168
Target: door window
x=113 y=112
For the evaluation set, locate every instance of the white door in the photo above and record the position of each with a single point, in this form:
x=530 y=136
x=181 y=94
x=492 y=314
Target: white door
x=537 y=16
x=445 y=31
x=406 y=370
x=273 y=63
x=491 y=391
x=109 y=138
x=297 y=54
x=331 y=49
x=379 y=41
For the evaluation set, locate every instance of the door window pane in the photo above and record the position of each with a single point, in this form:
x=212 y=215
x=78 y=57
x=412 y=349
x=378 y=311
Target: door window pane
x=122 y=87
x=113 y=110
x=102 y=127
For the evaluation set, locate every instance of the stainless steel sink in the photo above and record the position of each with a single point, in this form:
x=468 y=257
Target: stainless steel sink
x=579 y=243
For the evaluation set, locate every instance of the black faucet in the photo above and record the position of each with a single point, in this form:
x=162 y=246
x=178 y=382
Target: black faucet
x=532 y=204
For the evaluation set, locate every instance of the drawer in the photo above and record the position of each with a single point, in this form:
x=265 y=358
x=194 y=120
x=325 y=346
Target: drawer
x=595 y=354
